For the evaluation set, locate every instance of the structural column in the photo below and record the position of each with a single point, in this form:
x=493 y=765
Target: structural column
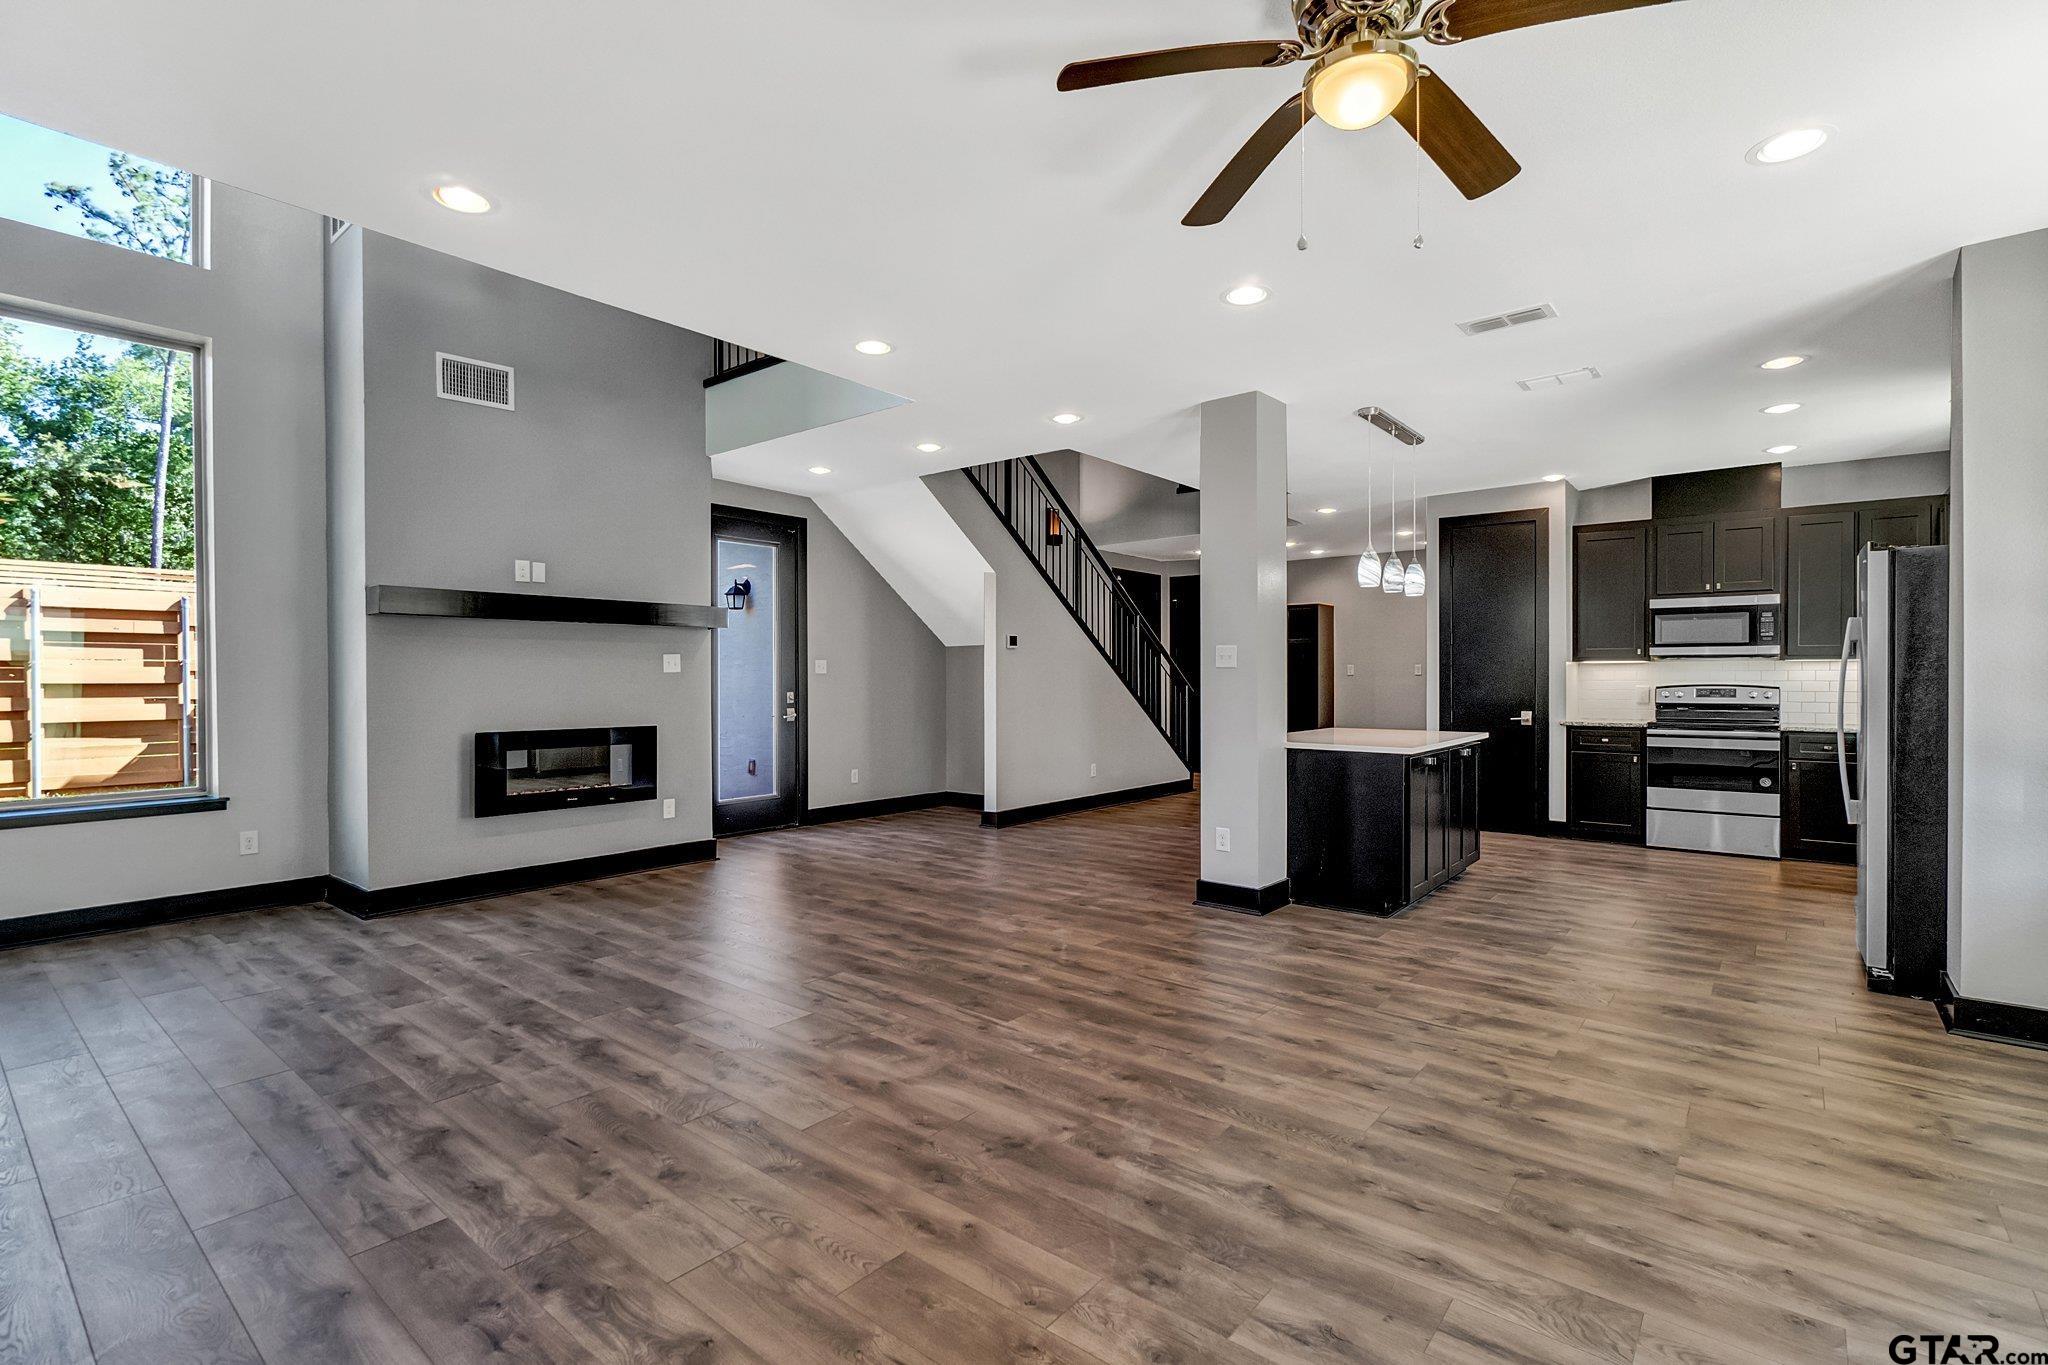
x=1243 y=676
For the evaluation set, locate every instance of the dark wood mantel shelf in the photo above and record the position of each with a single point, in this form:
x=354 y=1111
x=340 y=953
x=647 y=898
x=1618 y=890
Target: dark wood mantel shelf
x=388 y=600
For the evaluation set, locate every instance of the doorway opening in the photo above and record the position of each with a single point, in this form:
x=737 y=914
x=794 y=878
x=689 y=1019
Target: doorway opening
x=759 y=727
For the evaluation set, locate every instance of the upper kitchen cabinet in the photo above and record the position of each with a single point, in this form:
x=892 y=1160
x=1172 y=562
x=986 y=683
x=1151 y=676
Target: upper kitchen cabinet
x=1610 y=591
x=1896 y=525
x=1820 y=580
x=1698 y=555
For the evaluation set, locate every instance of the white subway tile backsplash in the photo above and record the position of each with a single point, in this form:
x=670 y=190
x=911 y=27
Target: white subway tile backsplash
x=1624 y=691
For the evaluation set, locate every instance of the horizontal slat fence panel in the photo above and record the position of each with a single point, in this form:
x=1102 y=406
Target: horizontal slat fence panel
x=99 y=695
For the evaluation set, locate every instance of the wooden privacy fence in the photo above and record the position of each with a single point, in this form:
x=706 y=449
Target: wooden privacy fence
x=98 y=679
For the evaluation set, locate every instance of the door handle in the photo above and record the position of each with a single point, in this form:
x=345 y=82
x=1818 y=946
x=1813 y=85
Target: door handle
x=789 y=713
x=1525 y=718
x=1850 y=805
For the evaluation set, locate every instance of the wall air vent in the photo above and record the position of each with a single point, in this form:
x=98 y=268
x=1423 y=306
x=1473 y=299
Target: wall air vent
x=1500 y=322
x=337 y=226
x=464 y=380
x=1566 y=379
x=1392 y=425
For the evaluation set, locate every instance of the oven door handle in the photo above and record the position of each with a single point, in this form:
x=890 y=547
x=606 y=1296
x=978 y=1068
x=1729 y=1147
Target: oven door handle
x=1711 y=742
x=1850 y=633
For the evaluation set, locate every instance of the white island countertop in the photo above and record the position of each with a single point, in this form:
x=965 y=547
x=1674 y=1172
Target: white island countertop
x=1403 y=742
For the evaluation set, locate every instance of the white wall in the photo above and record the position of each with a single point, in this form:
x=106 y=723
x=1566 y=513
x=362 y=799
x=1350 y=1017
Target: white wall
x=1561 y=500
x=881 y=704
x=1058 y=707
x=1998 y=792
x=258 y=309
x=1382 y=635
x=778 y=401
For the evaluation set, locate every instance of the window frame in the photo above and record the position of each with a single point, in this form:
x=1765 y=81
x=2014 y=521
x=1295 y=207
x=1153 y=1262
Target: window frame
x=206 y=794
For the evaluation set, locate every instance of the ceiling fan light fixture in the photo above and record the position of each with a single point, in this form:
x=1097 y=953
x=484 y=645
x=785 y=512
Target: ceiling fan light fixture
x=1360 y=83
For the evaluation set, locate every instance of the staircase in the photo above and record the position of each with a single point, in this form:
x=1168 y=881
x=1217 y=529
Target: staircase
x=1044 y=527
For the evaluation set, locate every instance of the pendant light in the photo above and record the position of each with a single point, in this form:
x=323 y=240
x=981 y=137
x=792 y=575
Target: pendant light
x=1413 y=584
x=1394 y=579
x=1369 y=562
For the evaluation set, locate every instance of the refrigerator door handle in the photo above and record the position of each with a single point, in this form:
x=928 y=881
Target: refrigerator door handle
x=1849 y=636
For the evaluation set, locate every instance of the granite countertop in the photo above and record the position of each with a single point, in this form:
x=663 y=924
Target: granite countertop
x=1605 y=724
x=1404 y=742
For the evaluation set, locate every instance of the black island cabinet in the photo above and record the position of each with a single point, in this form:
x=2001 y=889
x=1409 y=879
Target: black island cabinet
x=1378 y=819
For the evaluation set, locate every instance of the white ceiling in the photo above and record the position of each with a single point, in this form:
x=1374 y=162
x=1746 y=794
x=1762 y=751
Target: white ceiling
x=905 y=170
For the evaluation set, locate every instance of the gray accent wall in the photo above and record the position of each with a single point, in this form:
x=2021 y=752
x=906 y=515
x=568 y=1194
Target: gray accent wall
x=1057 y=708
x=257 y=310
x=882 y=703
x=964 y=719
x=1384 y=637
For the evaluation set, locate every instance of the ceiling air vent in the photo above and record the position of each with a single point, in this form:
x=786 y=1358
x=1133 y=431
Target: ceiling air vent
x=1500 y=322
x=1566 y=379
x=472 y=381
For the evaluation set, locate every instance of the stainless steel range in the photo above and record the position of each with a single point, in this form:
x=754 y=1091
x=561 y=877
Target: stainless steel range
x=1712 y=784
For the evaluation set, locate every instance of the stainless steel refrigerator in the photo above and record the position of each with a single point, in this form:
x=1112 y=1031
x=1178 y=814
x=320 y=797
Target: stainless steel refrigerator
x=1897 y=792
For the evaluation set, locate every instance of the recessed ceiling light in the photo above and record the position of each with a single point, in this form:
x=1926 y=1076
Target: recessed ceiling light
x=1247 y=295
x=1784 y=362
x=821 y=469
x=930 y=447
x=1780 y=450
x=872 y=347
x=461 y=198
x=1780 y=409
x=1326 y=511
x=1066 y=419
x=1553 y=478
x=1789 y=145
x=1317 y=550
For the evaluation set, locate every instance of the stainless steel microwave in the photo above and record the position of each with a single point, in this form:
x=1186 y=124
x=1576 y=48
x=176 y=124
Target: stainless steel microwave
x=1744 y=625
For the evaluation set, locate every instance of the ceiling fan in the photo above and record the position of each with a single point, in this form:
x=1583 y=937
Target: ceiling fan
x=1363 y=71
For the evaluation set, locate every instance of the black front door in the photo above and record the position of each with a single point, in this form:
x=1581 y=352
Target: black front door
x=1494 y=670
x=1184 y=643
x=758 y=744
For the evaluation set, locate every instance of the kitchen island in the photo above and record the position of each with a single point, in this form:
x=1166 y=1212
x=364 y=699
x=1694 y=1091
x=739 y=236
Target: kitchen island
x=1378 y=819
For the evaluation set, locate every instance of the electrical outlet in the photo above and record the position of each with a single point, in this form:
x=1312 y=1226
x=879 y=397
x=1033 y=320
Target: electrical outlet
x=818 y=666
x=1222 y=839
x=855 y=779
x=1418 y=670
x=1351 y=670
x=248 y=844
x=1226 y=656
x=540 y=571
x=668 y=808
x=522 y=571
x=671 y=663
x=1091 y=770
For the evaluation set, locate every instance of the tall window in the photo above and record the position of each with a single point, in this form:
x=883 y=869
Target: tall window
x=57 y=181
x=99 y=598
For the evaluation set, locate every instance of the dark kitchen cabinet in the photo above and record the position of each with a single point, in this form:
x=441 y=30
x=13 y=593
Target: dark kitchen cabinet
x=1895 y=525
x=1376 y=832
x=1816 y=818
x=1443 y=817
x=1746 y=553
x=1311 y=666
x=1610 y=591
x=1698 y=555
x=1820 y=580
x=1604 y=783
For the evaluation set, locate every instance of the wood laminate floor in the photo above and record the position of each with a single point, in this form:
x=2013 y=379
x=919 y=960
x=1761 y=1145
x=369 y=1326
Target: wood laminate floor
x=910 y=1090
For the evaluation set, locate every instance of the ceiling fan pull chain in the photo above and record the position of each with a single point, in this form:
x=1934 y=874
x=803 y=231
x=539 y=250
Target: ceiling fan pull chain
x=1420 y=74
x=1301 y=201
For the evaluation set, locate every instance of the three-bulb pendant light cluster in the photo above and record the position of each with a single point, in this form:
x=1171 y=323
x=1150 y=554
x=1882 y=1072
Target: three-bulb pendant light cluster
x=1391 y=577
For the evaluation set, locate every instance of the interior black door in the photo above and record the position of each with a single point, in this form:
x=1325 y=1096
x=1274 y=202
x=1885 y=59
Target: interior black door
x=758 y=708
x=1184 y=643
x=1144 y=590
x=1494 y=663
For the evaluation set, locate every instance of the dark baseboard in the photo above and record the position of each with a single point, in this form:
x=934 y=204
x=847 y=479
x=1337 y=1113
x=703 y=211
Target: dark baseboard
x=392 y=900
x=112 y=919
x=890 y=805
x=1247 y=900
x=1019 y=815
x=1989 y=1020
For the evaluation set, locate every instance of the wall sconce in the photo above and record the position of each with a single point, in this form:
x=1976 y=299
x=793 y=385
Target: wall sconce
x=736 y=596
x=1053 y=530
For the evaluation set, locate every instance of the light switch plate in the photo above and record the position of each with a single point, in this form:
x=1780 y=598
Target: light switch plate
x=818 y=667
x=522 y=571
x=671 y=663
x=540 y=571
x=1226 y=656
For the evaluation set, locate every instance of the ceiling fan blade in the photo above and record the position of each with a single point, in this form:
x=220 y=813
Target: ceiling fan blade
x=1175 y=61
x=1461 y=146
x=1477 y=18
x=1247 y=166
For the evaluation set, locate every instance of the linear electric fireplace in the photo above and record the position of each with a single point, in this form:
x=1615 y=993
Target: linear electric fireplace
x=520 y=770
